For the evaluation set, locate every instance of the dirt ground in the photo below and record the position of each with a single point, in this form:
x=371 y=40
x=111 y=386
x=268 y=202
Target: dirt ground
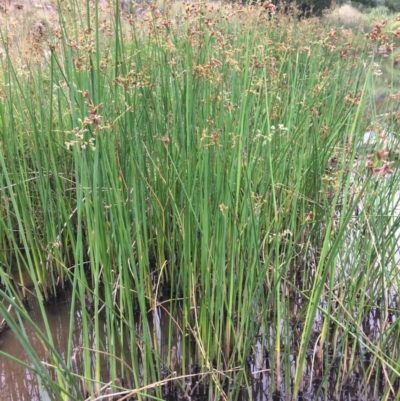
x=25 y=21
x=346 y=13
x=22 y=6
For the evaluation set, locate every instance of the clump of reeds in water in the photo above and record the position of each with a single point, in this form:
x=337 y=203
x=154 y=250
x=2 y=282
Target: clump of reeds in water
x=177 y=163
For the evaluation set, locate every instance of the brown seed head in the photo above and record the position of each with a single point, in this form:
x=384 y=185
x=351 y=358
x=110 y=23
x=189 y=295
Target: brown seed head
x=382 y=154
x=165 y=140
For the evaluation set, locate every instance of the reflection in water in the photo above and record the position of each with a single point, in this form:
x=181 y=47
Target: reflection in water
x=19 y=384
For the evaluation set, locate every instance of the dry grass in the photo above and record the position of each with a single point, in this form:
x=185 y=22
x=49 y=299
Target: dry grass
x=347 y=14
x=23 y=24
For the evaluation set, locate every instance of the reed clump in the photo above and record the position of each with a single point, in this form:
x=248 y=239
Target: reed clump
x=202 y=162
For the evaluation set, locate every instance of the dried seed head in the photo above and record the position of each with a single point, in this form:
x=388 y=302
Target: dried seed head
x=165 y=140
x=222 y=207
x=386 y=169
x=382 y=154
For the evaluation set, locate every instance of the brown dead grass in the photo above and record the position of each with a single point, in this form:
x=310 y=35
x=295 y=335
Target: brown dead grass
x=21 y=21
x=25 y=25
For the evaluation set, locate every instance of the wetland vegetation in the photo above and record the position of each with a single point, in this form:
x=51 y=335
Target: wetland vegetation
x=194 y=181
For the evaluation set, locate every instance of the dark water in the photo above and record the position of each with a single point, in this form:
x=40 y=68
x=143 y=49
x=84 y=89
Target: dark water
x=19 y=384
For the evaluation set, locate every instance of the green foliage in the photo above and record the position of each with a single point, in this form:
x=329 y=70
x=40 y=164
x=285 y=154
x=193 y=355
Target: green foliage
x=392 y=5
x=317 y=6
x=305 y=8
x=368 y=3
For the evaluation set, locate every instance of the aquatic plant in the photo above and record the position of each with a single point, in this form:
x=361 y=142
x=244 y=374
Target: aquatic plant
x=203 y=167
